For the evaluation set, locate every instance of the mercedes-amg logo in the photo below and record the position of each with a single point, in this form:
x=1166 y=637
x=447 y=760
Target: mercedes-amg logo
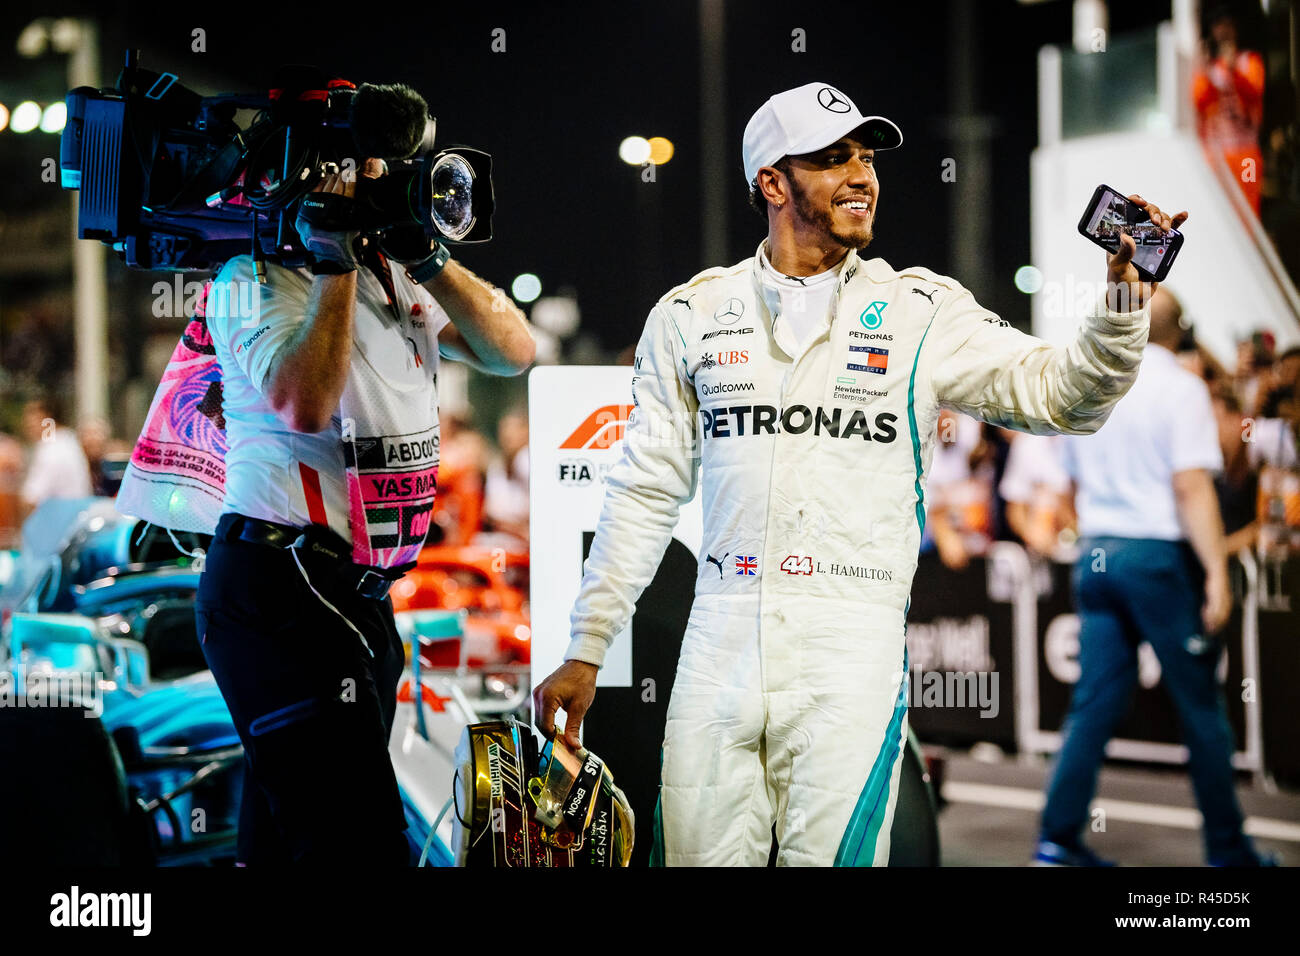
x=833 y=100
x=729 y=312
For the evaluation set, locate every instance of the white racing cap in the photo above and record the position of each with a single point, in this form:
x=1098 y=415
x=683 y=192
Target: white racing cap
x=806 y=119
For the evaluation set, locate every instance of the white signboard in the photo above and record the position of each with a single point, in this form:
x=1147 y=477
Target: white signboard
x=576 y=417
x=1170 y=170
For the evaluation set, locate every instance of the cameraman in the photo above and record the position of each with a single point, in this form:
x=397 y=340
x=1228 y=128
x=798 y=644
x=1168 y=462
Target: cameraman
x=300 y=634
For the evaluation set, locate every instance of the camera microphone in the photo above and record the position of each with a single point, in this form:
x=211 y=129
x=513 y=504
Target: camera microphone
x=390 y=121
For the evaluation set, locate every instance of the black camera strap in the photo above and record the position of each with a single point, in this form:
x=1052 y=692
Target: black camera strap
x=377 y=263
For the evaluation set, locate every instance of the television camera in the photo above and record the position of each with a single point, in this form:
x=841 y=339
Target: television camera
x=173 y=182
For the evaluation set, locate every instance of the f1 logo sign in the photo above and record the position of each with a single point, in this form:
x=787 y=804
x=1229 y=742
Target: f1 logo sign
x=603 y=428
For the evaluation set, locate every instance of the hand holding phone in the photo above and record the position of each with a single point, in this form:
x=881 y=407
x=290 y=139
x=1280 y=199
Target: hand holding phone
x=1140 y=240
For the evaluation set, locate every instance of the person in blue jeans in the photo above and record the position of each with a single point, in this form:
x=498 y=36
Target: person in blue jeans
x=1152 y=568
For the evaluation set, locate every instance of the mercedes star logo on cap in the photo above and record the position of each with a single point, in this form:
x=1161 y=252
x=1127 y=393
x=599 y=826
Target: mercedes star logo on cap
x=729 y=311
x=788 y=125
x=833 y=100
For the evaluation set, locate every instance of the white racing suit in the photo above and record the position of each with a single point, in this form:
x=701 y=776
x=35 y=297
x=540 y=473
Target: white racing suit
x=789 y=706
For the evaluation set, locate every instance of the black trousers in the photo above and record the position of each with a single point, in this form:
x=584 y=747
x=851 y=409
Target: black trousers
x=314 y=710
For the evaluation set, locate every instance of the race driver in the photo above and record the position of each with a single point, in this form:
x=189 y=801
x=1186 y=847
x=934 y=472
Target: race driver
x=807 y=381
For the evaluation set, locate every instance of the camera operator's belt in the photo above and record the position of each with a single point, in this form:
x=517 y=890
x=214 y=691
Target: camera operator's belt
x=367 y=580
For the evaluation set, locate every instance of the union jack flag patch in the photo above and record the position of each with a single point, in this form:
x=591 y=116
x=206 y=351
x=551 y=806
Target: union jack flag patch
x=746 y=565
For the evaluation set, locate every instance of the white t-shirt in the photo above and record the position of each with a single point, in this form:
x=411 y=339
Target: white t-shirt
x=293 y=478
x=1165 y=424
x=798 y=303
x=951 y=462
x=505 y=496
x=1033 y=468
x=58 y=469
x=952 y=486
x=1271 y=443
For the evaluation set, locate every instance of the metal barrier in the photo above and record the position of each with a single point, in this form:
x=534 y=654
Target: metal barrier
x=1013 y=616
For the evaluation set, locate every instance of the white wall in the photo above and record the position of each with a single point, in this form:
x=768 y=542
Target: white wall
x=1220 y=276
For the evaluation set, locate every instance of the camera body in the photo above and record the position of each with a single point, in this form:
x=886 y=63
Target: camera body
x=173 y=182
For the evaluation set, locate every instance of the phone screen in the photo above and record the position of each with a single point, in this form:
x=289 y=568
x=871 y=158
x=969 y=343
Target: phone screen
x=1114 y=214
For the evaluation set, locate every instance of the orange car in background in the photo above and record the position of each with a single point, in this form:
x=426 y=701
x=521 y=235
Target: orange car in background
x=490 y=584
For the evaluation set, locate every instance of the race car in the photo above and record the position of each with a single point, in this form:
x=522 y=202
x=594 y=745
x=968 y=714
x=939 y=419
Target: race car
x=127 y=748
x=124 y=745
x=489 y=584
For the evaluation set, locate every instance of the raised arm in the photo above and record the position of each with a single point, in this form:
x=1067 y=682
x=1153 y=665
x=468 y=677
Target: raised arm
x=994 y=372
x=990 y=370
x=307 y=365
x=487 y=330
x=307 y=375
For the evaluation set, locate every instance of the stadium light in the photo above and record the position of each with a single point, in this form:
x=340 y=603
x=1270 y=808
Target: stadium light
x=526 y=287
x=635 y=150
x=557 y=314
x=1029 y=279
x=65 y=34
x=54 y=118
x=26 y=117
x=661 y=150
x=34 y=38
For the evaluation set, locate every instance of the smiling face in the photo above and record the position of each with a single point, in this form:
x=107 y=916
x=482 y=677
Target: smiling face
x=835 y=191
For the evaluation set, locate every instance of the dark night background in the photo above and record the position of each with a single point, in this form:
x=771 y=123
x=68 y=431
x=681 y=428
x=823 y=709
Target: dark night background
x=576 y=78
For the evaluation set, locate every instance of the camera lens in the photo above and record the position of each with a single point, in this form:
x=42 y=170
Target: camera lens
x=452 y=183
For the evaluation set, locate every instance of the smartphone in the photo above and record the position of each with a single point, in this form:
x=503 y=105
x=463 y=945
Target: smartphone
x=1111 y=213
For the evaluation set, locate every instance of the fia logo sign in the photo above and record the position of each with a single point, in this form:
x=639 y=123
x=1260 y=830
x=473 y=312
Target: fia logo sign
x=576 y=472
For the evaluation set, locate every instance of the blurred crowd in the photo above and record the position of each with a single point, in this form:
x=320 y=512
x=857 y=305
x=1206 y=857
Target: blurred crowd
x=482 y=485
x=482 y=490
x=988 y=484
x=1246 y=119
x=1228 y=91
x=46 y=459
